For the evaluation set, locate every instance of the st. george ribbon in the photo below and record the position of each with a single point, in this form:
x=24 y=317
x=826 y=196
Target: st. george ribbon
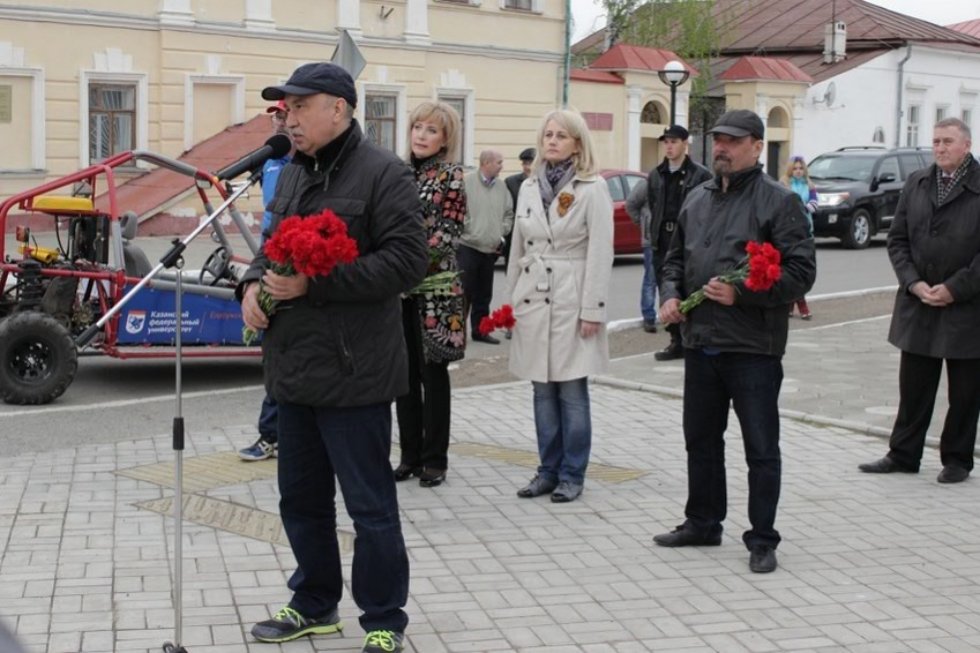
x=276 y=147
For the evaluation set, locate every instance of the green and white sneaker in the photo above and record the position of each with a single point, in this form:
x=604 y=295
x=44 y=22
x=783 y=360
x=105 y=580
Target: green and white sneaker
x=287 y=625
x=383 y=641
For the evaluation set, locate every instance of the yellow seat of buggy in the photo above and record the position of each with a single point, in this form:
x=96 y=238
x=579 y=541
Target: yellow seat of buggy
x=57 y=204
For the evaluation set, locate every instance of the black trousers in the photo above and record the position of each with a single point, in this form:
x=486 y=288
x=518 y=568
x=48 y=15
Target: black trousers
x=918 y=380
x=424 y=412
x=477 y=269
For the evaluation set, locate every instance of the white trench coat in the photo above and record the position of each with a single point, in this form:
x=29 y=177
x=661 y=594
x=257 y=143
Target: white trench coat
x=559 y=273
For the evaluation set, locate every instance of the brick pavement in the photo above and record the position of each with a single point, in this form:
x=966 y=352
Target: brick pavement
x=868 y=563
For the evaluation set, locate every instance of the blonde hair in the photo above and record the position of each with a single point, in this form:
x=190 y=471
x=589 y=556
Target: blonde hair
x=788 y=172
x=443 y=115
x=572 y=122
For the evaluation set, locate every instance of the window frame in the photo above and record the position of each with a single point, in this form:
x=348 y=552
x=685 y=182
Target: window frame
x=366 y=89
x=141 y=112
x=466 y=138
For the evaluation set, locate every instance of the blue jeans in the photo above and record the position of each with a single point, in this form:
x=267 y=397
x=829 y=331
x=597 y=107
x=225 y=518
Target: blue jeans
x=352 y=445
x=564 y=424
x=751 y=383
x=648 y=289
x=269 y=420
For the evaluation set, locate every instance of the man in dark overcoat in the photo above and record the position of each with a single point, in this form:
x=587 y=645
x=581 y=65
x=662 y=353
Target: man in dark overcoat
x=934 y=246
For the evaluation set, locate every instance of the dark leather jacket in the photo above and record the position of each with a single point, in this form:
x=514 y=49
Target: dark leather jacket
x=692 y=175
x=342 y=343
x=712 y=230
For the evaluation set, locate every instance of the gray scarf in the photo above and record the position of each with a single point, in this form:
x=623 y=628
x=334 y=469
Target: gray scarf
x=944 y=189
x=553 y=177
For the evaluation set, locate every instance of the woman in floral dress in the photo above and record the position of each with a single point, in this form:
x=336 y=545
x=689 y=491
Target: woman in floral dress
x=435 y=329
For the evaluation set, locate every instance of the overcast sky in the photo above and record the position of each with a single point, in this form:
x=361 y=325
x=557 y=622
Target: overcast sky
x=588 y=14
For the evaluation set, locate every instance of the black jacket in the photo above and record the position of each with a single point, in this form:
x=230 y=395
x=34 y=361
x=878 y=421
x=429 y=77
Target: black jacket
x=937 y=244
x=692 y=175
x=342 y=343
x=712 y=230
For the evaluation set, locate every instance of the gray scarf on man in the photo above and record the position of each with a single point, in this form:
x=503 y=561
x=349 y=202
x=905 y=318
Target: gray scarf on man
x=944 y=189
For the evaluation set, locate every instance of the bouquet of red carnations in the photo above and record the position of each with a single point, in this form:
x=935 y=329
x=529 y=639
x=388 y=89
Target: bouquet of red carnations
x=313 y=246
x=502 y=318
x=760 y=271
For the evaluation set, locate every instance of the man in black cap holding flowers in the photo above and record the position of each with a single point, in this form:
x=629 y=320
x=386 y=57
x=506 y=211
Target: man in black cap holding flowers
x=734 y=340
x=335 y=359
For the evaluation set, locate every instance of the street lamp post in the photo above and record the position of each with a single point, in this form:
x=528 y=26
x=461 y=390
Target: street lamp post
x=674 y=74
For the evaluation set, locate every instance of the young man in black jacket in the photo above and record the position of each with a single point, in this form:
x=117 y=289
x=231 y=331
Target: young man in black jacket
x=676 y=175
x=734 y=341
x=335 y=359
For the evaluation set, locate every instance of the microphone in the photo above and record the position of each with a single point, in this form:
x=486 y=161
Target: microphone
x=276 y=147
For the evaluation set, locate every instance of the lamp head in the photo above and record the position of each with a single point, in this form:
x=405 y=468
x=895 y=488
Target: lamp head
x=674 y=73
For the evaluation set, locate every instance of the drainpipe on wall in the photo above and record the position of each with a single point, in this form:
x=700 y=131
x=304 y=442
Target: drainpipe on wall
x=898 y=106
x=568 y=53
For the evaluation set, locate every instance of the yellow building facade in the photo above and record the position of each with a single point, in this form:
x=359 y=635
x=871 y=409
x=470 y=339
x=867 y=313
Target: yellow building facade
x=77 y=85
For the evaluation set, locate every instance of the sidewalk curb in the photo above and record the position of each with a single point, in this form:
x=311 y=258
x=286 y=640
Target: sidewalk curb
x=799 y=416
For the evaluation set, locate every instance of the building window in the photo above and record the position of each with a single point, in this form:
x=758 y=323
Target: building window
x=941 y=113
x=912 y=130
x=379 y=120
x=524 y=5
x=967 y=117
x=458 y=103
x=111 y=119
x=651 y=114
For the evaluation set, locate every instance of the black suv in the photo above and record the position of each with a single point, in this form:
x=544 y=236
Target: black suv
x=858 y=189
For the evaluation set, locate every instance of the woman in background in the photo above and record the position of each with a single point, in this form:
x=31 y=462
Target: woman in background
x=433 y=321
x=558 y=275
x=797 y=179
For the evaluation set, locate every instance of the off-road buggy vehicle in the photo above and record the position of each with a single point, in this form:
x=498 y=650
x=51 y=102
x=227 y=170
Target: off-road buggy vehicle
x=60 y=281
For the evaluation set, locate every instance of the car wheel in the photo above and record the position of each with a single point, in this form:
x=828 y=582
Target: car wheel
x=38 y=358
x=858 y=234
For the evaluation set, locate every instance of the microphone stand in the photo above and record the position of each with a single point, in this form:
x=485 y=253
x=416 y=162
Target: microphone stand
x=173 y=259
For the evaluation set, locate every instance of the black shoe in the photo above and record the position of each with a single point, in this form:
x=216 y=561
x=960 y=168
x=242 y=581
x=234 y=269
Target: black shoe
x=762 y=559
x=953 y=474
x=490 y=340
x=431 y=477
x=404 y=472
x=566 y=491
x=884 y=466
x=383 y=641
x=650 y=327
x=673 y=351
x=683 y=536
x=538 y=486
x=287 y=625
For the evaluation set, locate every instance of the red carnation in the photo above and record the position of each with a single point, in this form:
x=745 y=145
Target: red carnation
x=760 y=271
x=502 y=318
x=313 y=245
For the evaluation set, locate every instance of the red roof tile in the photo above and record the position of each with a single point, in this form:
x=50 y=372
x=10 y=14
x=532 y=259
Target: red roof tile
x=599 y=76
x=767 y=68
x=970 y=27
x=634 y=57
x=147 y=194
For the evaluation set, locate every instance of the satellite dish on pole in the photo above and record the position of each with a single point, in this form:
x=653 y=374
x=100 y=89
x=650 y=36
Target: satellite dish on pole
x=347 y=55
x=829 y=96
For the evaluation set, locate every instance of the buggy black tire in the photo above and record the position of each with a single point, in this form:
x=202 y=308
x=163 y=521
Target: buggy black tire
x=38 y=358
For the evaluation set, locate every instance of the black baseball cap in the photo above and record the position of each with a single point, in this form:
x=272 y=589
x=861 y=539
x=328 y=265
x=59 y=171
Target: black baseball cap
x=527 y=154
x=312 y=78
x=675 y=131
x=739 y=123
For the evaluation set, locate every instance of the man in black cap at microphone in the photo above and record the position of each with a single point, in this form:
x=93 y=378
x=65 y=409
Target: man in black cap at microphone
x=335 y=359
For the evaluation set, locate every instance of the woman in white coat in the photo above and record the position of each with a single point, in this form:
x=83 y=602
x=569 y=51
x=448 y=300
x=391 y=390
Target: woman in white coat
x=558 y=274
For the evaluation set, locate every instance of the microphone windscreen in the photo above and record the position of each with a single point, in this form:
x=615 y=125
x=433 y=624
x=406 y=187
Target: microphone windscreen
x=280 y=145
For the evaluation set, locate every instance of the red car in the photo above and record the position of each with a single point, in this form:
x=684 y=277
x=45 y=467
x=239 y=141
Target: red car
x=626 y=238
